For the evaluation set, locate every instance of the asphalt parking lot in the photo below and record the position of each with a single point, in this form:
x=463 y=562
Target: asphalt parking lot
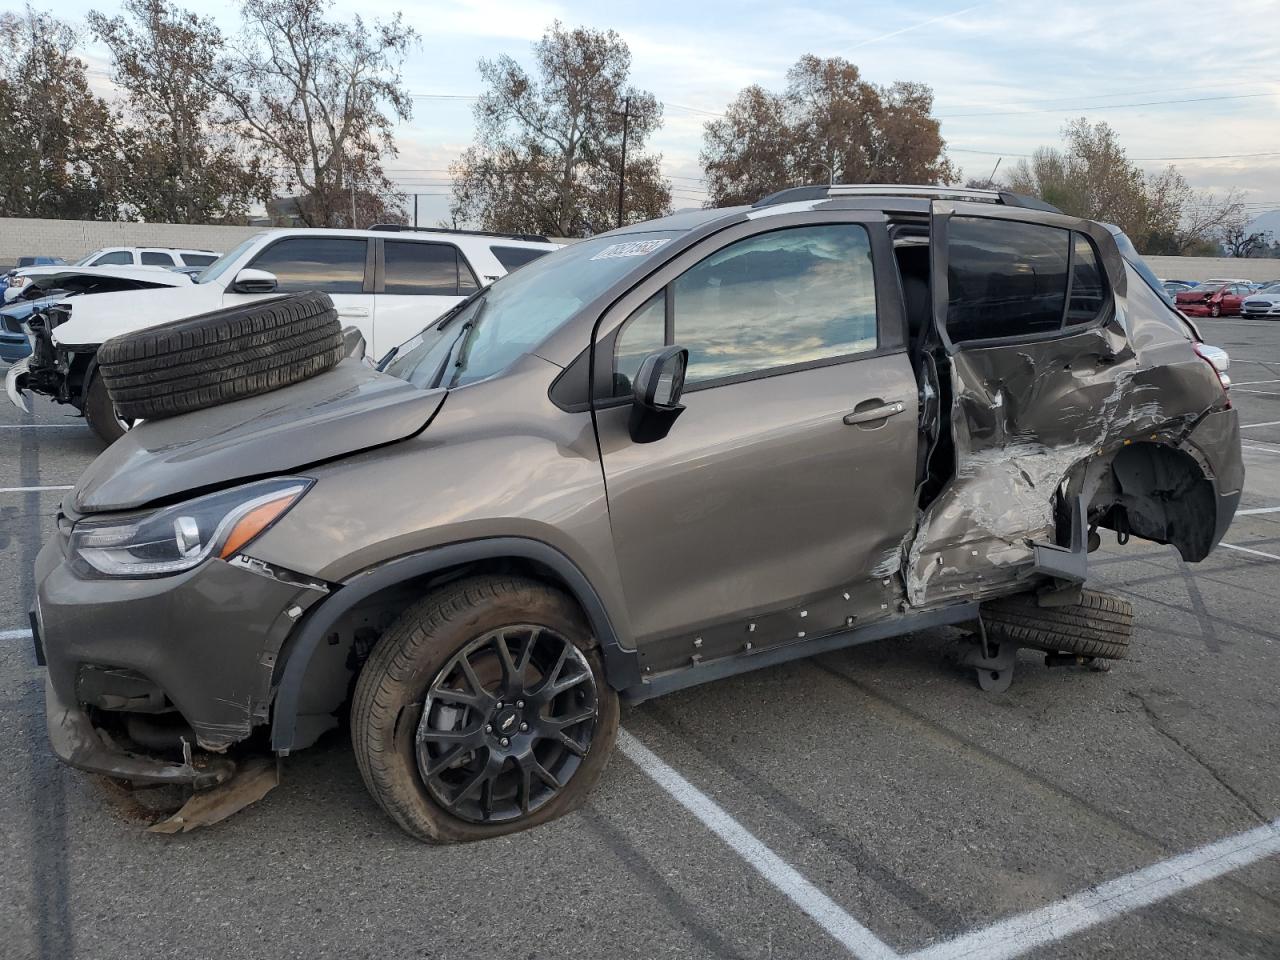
x=868 y=803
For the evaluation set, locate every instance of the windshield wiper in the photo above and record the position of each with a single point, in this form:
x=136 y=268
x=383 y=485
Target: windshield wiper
x=454 y=357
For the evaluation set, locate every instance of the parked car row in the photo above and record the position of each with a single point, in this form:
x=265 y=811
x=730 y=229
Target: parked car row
x=389 y=283
x=1228 y=298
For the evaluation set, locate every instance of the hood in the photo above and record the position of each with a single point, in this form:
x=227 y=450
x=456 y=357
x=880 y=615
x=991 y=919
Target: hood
x=348 y=409
x=1271 y=298
x=105 y=315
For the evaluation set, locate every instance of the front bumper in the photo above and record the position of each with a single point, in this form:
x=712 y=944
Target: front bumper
x=207 y=639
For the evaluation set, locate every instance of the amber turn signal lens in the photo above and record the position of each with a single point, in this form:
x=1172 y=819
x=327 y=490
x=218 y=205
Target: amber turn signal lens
x=253 y=523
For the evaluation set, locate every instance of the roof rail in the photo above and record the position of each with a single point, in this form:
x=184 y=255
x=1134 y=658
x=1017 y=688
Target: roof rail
x=823 y=191
x=402 y=228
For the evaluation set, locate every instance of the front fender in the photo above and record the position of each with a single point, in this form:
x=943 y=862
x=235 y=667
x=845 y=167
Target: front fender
x=621 y=664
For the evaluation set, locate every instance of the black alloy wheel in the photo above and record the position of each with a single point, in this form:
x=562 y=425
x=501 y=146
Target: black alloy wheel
x=506 y=723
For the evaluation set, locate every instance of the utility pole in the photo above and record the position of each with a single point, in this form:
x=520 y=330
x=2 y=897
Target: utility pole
x=622 y=170
x=415 y=211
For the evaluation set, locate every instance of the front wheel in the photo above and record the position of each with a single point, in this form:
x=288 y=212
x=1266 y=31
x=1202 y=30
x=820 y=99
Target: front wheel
x=1215 y=311
x=483 y=710
x=100 y=412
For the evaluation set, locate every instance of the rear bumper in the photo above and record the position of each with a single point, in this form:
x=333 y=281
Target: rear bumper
x=1215 y=442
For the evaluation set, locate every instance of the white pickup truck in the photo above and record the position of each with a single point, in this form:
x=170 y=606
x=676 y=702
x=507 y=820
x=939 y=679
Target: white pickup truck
x=388 y=282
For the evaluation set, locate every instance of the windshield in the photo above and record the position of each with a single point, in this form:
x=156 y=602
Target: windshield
x=1269 y=288
x=519 y=311
x=219 y=266
x=84 y=261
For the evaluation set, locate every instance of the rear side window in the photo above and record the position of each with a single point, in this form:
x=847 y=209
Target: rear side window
x=198 y=259
x=330 y=264
x=426 y=269
x=1088 y=292
x=153 y=258
x=512 y=258
x=114 y=259
x=1011 y=279
x=26 y=261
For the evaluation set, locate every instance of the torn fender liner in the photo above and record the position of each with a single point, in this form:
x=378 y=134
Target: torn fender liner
x=350 y=408
x=253 y=781
x=1023 y=415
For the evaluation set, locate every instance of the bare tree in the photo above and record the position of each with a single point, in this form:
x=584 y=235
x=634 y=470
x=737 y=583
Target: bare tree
x=1093 y=177
x=548 y=155
x=62 y=143
x=181 y=168
x=829 y=124
x=1239 y=241
x=321 y=98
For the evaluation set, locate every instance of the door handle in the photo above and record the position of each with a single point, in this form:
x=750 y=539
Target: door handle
x=354 y=312
x=882 y=412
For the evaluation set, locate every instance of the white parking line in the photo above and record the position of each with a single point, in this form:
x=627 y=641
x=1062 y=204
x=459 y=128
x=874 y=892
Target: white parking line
x=1261 y=393
x=1256 y=553
x=1256 y=510
x=32 y=489
x=1265 y=423
x=1245 y=446
x=1251 y=383
x=856 y=938
x=15 y=635
x=38 y=426
x=1017 y=935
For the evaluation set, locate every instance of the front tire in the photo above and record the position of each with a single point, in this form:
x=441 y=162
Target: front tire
x=1215 y=311
x=100 y=412
x=483 y=710
x=1098 y=625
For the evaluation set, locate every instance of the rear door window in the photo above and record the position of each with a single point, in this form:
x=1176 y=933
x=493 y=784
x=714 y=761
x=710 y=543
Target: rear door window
x=426 y=269
x=198 y=259
x=1012 y=279
x=154 y=258
x=1004 y=278
x=116 y=258
x=330 y=264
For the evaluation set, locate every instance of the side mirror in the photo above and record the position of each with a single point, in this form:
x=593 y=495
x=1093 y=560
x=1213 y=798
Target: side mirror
x=655 y=398
x=250 y=280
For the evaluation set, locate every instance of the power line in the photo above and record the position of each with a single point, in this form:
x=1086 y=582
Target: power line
x=1103 y=106
x=1219 y=156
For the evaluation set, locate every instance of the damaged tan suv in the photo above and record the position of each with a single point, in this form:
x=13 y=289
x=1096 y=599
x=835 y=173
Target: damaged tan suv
x=698 y=446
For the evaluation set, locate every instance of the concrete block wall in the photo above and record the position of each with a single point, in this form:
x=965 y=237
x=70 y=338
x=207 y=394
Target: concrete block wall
x=72 y=239
x=1202 y=268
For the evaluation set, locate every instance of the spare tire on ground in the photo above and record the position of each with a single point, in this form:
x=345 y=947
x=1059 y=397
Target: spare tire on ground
x=218 y=357
x=1098 y=625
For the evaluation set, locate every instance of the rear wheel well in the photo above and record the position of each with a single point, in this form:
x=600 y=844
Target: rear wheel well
x=1160 y=493
x=336 y=662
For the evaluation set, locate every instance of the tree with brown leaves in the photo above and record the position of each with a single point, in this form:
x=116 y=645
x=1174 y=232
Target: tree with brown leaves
x=828 y=125
x=181 y=167
x=548 y=152
x=321 y=98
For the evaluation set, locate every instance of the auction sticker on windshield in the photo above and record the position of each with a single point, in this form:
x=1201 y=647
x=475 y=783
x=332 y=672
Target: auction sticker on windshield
x=636 y=248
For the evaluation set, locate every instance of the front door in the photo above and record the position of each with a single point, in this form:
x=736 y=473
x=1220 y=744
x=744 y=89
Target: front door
x=339 y=266
x=775 y=509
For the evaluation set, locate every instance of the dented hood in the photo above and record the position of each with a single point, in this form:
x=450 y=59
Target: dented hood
x=350 y=408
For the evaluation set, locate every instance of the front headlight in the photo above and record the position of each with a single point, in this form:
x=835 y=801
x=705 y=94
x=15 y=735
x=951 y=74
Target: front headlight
x=180 y=537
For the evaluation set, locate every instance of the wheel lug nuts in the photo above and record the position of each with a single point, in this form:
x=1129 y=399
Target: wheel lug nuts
x=501 y=704
x=488 y=728
x=524 y=727
x=506 y=742
x=520 y=704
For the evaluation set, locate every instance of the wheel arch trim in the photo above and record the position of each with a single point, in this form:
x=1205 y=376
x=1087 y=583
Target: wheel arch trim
x=621 y=664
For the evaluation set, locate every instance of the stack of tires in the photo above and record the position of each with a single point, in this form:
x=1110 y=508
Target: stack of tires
x=211 y=359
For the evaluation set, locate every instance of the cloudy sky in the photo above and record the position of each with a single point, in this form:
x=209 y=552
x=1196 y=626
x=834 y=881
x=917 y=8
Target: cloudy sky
x=1007 y=74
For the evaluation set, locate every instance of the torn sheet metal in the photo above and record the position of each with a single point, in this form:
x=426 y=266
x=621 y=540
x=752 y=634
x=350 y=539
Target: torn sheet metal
x=252 y=781
x=1024 y=417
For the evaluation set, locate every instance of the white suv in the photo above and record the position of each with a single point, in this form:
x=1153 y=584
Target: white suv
x=148 y=257
x=389 y=282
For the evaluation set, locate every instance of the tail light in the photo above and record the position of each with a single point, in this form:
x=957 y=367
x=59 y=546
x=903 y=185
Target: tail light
x=1220 y=361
